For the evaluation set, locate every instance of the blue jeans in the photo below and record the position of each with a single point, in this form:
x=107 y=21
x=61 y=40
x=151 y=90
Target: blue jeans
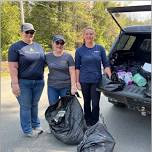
x=31 y=91
x=54 y=94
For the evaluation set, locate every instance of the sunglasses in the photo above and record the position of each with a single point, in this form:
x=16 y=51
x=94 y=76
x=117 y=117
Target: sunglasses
x=30 y=32
x=59 y=42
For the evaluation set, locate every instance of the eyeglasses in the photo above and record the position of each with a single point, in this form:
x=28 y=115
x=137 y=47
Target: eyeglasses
x=30 y=32
x=59 y=42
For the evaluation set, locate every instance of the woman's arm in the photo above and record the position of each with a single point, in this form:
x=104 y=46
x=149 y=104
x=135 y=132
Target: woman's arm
x=73 y=79
x=105 y=62
x=77 y=66
x=77 y=79
x=13 y=68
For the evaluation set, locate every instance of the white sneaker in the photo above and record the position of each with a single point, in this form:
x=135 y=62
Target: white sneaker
x=39 y=130
x=48 y=131
x=34 y=134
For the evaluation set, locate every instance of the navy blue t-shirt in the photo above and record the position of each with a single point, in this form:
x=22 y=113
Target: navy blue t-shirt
x=30 y=58
x=89 y=61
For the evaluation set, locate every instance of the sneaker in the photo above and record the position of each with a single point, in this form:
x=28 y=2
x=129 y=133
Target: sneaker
x=33 y=134
x=49 y=131
x=39 y=130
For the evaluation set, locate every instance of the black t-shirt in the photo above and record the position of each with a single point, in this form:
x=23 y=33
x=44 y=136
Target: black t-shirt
x=30 y=58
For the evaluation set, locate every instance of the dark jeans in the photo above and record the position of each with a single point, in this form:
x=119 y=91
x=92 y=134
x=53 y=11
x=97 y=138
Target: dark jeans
x=91 y=111
x=31 y=91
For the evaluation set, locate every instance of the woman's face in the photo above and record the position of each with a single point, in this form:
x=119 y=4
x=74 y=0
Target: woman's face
x=28 y=36
x=58 y=45
x=89 y=35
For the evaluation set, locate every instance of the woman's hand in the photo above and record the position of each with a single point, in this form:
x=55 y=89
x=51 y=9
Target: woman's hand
x=78 y=85
x=107 y=71
x=73 y=90
x=15 y=89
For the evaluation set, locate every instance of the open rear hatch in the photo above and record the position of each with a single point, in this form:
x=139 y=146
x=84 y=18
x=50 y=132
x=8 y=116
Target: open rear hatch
x=132 y=11
x=133 y=55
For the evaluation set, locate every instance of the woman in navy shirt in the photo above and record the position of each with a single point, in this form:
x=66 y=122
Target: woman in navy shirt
x=88 y=60
x=26 y=63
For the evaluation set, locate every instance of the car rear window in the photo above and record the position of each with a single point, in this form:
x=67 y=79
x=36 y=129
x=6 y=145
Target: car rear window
x=126 y=42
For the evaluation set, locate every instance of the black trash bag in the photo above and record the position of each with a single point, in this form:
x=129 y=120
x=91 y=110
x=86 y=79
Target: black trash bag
x=111 y=85
x=147 y=91
x=96 y=139
x=66 y=120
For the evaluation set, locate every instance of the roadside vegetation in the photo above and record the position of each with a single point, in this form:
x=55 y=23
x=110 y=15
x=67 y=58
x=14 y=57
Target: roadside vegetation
x=58 y=17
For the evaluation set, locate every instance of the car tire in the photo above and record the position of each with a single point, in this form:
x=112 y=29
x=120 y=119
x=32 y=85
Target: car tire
x=117 y=104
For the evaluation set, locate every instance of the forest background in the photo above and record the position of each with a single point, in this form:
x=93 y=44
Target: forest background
x=60 y=17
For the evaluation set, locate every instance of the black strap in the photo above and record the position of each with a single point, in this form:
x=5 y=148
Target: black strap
x=68 y=93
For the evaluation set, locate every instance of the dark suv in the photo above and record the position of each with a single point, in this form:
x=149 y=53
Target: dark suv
x=130 y=56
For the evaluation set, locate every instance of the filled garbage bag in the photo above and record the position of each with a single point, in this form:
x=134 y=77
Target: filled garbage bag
x=111 y=85
x=96 y=139
x=147 y=91
x=66 y=120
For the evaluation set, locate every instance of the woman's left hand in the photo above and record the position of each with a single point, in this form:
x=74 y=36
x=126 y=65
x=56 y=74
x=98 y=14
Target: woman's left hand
x=73 y=90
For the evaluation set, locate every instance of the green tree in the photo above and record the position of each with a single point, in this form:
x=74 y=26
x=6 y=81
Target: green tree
x=10 y=23
x=67 y=18
x=61 y=17
x=106 y=28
